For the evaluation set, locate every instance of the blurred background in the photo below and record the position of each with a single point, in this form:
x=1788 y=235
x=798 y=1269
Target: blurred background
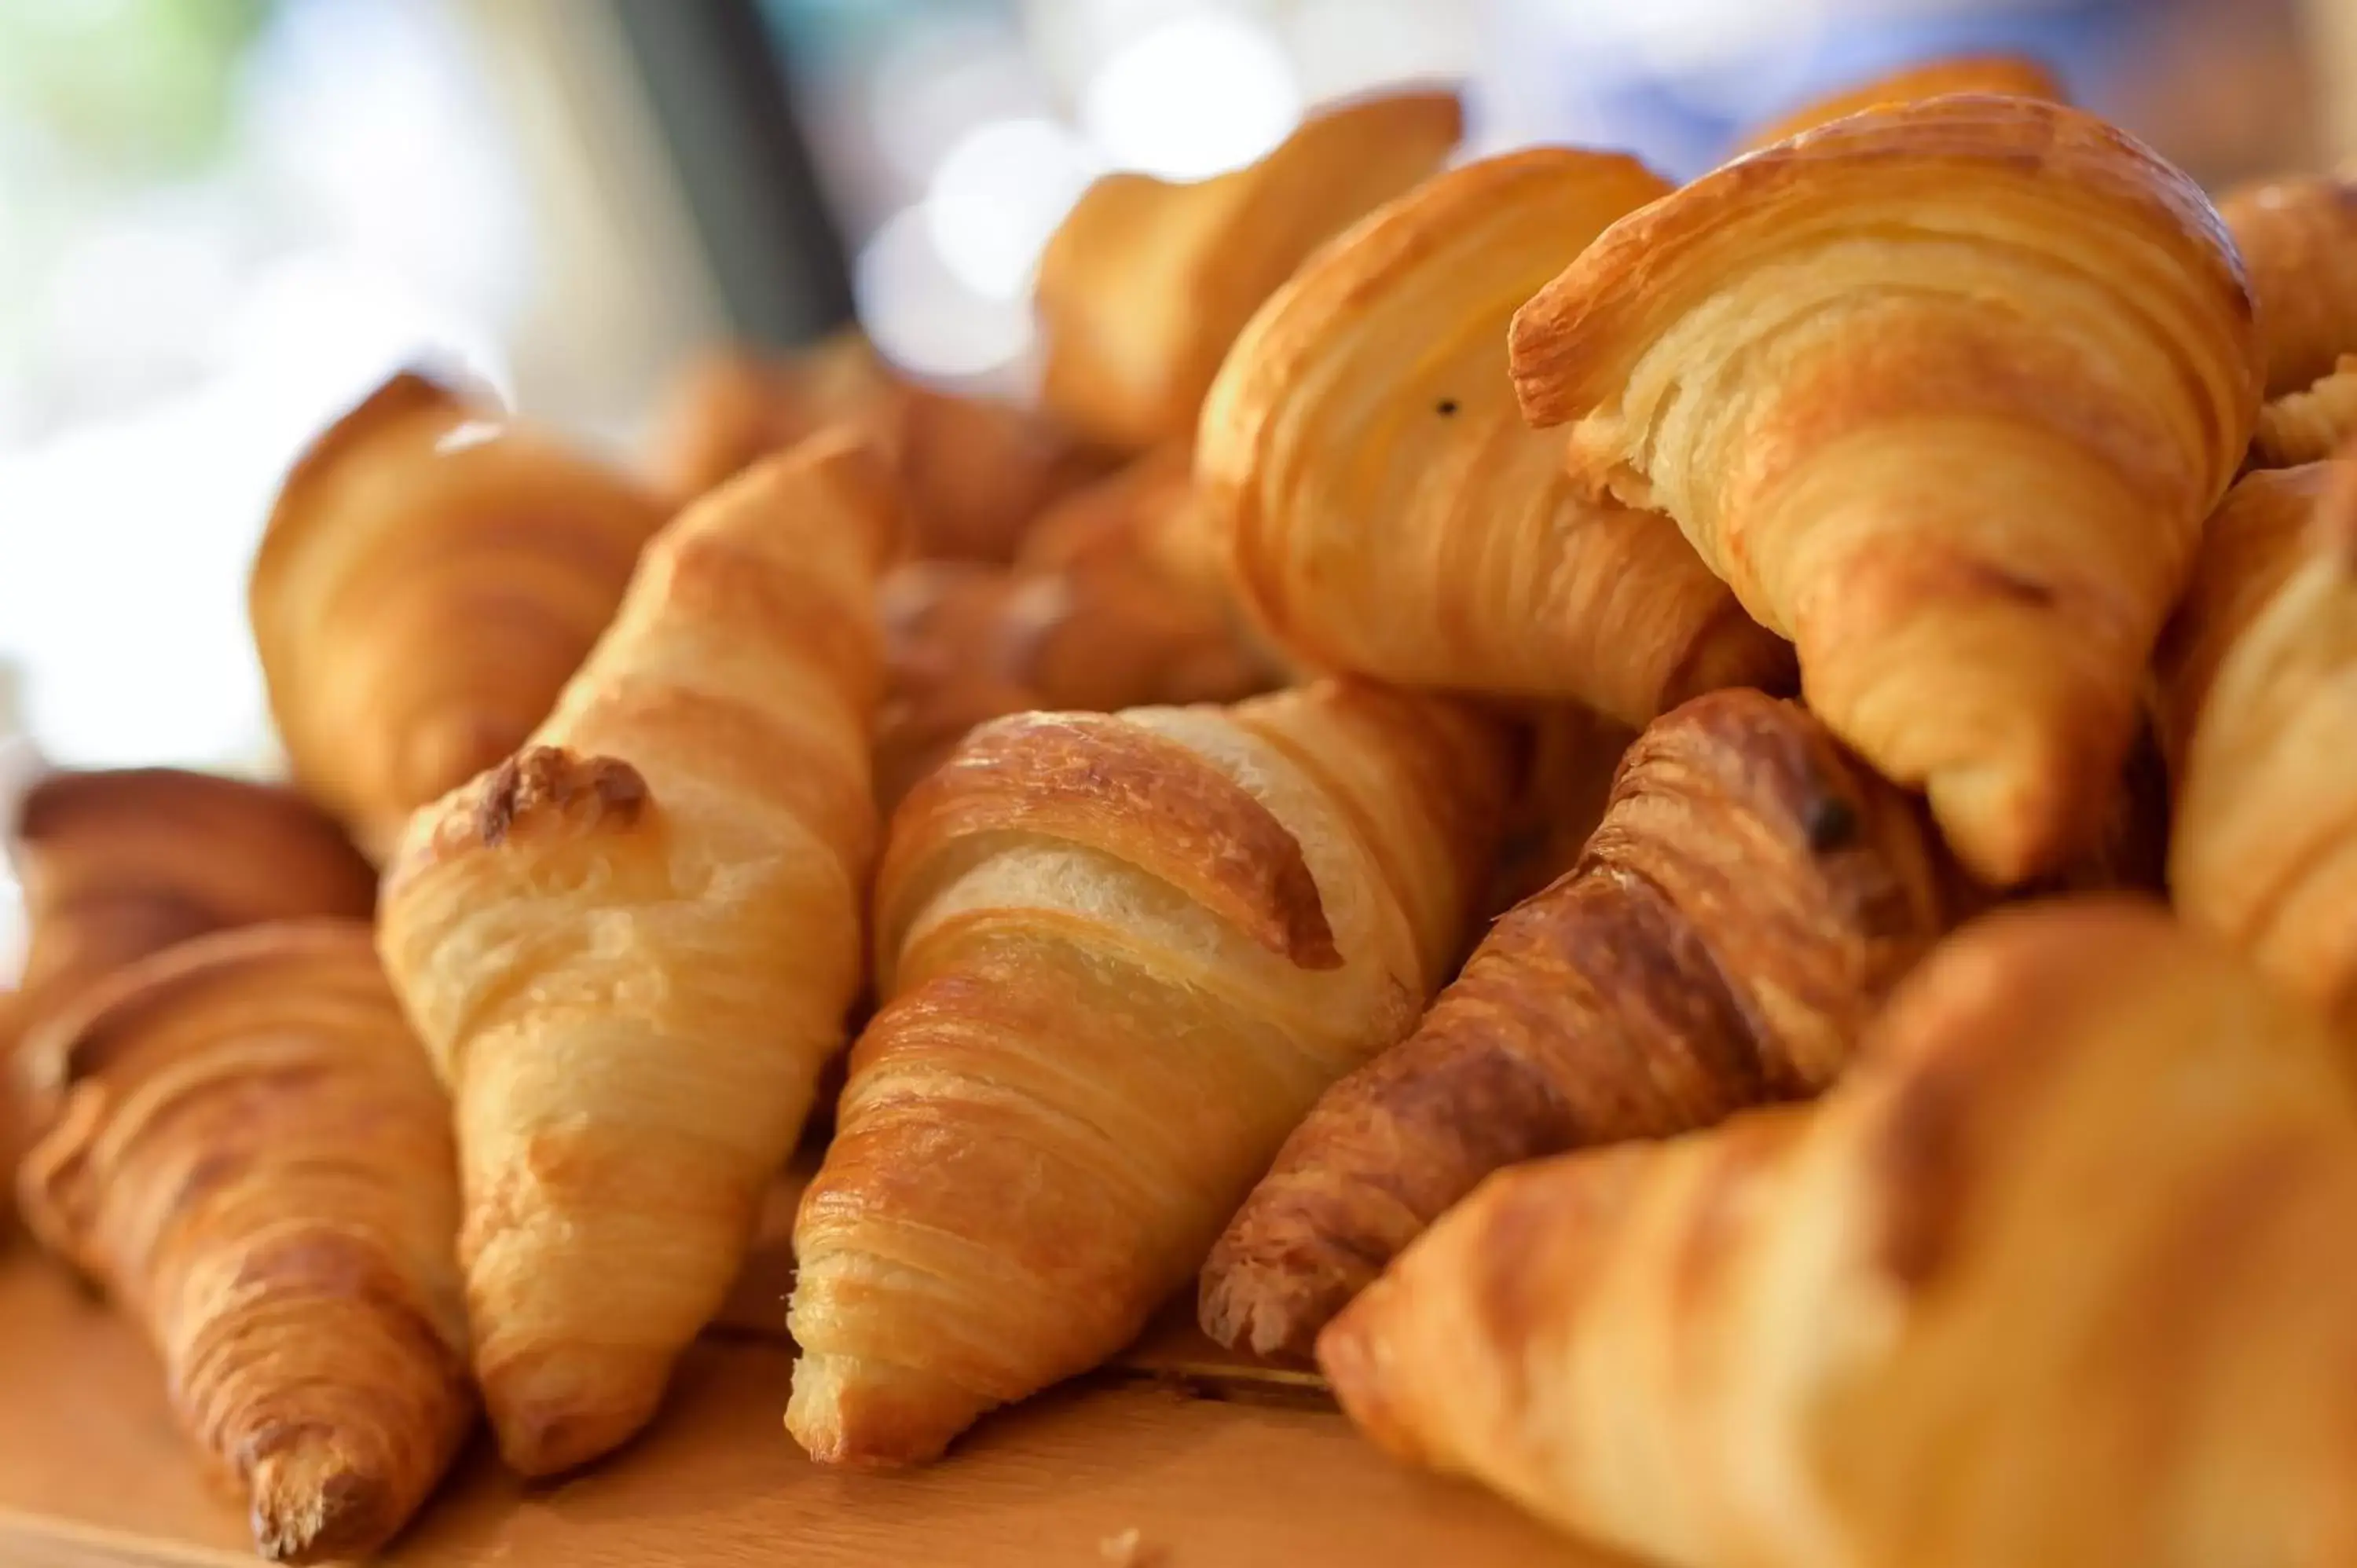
x=223 y=220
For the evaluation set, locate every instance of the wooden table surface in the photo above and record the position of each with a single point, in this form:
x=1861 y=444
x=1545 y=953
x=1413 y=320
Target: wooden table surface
x=1212 y=1465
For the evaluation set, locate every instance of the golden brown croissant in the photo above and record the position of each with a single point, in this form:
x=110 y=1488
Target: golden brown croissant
x=1119 y=956
x=976 y=472
x=2265 y=848
x=2309 y=426
x=118 y=864
x=1751 y=895
x=1146 y=283
x=431 y=575
x=630 y=947
x=2299 y=238
x=1380 y=505
x=2012 y=76
x=2057 y=1278
x=1945 y=392
x=2251 y=544
x=247 y=1148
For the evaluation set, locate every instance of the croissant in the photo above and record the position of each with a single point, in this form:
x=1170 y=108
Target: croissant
x=248 y=1150
x=119 y=864
x=2263 y=851
x=2056 y=1278
x=1751 y=895
x=430 y=576
x=1945 y=392
x=1146 y=283
x=1118 y=956
x=631 y=946
x=2249 y=546
x=1381 y=508
x=2309 y=426
x=975 y=473
x=2299 y=238
x=2013 y=75
x=1108 y=606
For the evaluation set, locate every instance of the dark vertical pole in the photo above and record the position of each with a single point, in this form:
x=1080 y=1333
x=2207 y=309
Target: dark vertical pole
x=723 y=96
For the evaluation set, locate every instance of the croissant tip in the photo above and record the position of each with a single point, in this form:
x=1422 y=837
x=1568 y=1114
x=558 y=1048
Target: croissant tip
x=313 y=1503
x=557 y=1410
x=856 y=1413
x=1238 y=1316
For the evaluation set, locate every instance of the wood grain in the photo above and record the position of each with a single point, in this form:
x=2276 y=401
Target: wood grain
x=93 y=1475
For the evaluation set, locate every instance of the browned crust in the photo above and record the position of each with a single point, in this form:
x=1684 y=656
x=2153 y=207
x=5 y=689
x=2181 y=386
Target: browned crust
x=547 y=782
x=2006 y=75
x=1745 y=854
x=63 y=804
x=80 y=1040
x=1566 y=345
x=1099 y=781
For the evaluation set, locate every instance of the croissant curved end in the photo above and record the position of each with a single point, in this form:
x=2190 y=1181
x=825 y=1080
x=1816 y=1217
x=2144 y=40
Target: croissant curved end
x=313 y=1503
x=1569 y=345
x=1090 y=779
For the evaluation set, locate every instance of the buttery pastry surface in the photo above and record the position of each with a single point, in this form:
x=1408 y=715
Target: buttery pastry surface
x=246 y=1147
x=1379 y=504
x=1147 y=282
x=2255 y=540
x=120 y=863
x=629 y=948
x=1751 y=895
x=2264 y=851
x=431 y=575
x=2299 y=238
x=2311 y=426
x=1118 y=956
x=2054 y=1279
x=1945 y=392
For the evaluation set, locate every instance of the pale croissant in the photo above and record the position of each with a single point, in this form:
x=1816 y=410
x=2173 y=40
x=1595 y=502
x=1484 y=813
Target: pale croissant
x=631 y=946
x=2264 y=851
x=431 y=575
x=1147 y=282
x=1944 y=391
x=2058 y=1278
x=1381 y=508
x=248 y=1150
x=1118 y=956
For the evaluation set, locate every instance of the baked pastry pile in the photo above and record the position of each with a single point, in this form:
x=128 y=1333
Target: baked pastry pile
x=1705 y=837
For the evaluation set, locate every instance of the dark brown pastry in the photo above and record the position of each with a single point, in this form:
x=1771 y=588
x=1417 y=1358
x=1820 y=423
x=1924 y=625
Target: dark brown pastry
x=1752 y=893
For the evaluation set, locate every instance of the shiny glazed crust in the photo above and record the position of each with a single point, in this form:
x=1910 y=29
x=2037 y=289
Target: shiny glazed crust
x=631 y=946
x=1380 y=507
x=1945 y=392
x=1118 y=958
x=249 y=1152
x=1751 y=895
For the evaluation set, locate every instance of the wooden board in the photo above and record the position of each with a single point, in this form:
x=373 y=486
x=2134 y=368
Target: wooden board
x=94 y=1474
